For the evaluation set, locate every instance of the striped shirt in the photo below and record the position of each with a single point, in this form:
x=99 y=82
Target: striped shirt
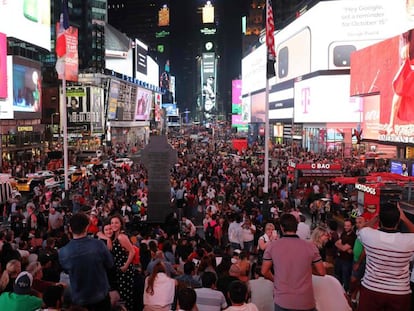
x=388 y=256
x=210 y=299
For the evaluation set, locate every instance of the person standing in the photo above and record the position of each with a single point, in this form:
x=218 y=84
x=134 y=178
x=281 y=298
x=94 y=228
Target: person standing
x=386 y=283
x=292 y=259
x=86 y=261
x=124 y=254
x=343 y=263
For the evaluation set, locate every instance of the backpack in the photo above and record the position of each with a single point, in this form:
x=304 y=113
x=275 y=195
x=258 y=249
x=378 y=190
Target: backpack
x=209 y=234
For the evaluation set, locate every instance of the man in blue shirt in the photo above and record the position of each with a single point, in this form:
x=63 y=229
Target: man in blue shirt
x=86 y=261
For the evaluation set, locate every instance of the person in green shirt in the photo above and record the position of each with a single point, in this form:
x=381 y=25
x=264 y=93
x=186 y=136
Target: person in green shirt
x=358 y=267
x=20 y=298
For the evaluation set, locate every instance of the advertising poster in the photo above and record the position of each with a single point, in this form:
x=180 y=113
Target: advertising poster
x=78 y=105
x=208 y=81
x=72 y=57
x=113 y=99
x=143 y=105
x=27 y=87
x=97 y=110
x=3 y=66
x=157 y=107
x=385 y=69
x=6 y=104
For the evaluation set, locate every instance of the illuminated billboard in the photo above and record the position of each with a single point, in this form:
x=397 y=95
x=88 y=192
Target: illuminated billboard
x=208 y=82
x=325 y=99
x=306 y=46
x=208 y=13
x=143 y=104
x=384 y=70
x=258 y=108
x=236 y=86
x=6 y=104
x=141 y=51
x=85 y=111
x=3 y=66
x=27 y=88
x=27 y=20
x=164 y=16
x=113 y=95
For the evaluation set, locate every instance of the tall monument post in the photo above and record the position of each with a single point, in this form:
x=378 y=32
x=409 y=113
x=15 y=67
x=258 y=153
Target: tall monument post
x=158 y=157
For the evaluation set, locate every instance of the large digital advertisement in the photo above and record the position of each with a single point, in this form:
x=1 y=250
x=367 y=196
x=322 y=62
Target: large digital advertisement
x=27 y=20
x=208 y=83
x=325 y=99
x=84 y=109
x=143 y=104
x=385 y=69
x=306 y=46
x=27 y=88
x=3 y=66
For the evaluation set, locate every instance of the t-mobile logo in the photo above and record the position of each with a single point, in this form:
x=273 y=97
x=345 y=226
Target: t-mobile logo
x=305 y=99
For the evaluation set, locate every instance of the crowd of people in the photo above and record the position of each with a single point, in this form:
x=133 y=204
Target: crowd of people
x=225 y=244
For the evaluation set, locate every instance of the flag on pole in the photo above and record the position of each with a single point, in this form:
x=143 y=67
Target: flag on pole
x=270 y=40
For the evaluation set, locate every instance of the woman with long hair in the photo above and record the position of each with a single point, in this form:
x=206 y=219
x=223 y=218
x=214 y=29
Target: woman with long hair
x=159 y=290
x=12 y=270
x=124 y=254
x=320 y=236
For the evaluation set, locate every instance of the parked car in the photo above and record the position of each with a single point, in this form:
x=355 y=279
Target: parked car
x=41 y=174
x=26 y=184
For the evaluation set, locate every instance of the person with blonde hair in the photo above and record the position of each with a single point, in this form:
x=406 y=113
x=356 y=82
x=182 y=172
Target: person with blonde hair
x=13 y=268
x=39 y=285
x=320 y=236
x=159 y=289
x=264 y=240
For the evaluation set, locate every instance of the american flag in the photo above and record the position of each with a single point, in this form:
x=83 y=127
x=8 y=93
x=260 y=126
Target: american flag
x=270 y=40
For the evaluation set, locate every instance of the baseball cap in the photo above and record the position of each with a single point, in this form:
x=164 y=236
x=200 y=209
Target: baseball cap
x=23 y=283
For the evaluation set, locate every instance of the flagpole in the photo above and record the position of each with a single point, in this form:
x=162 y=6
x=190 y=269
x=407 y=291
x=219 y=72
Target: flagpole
x=266 y=166
x=270 y=72
x=65 y=132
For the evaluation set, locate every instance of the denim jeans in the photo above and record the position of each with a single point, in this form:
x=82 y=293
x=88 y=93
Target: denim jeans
x=343 y=271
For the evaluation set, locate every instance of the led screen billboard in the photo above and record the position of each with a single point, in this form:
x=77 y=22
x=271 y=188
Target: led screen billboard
x=27 y=20
x=143 y=104
x=27 y=88
x=325 y=99
x=3 y=66
x=384 y=69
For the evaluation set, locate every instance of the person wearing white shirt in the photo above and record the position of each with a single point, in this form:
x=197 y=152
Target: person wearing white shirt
x=329 y=294
x=261 y=291
x=304 y=231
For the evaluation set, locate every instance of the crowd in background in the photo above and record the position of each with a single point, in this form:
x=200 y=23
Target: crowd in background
x=214 y=240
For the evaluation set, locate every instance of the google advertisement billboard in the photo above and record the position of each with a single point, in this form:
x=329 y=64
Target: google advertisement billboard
x=27 y=20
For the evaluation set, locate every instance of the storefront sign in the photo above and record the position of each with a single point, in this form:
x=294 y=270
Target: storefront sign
x=365 y=188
